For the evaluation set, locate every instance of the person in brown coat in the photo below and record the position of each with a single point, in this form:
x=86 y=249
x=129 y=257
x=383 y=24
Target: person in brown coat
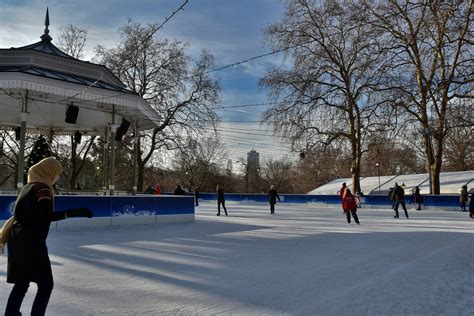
x=463 y=196
x=28 y=259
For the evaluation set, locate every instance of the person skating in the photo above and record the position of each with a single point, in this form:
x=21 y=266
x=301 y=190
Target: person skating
x=399 y=197
x=220 y=200
x=196 y=197
x=463 y=198
x=349 y=205
x=417 y=198
x=28 y=259
x=471 y=206
x=272 y=197
x=391 y=197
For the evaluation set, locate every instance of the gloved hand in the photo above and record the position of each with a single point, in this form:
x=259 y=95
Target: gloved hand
x=79 y=212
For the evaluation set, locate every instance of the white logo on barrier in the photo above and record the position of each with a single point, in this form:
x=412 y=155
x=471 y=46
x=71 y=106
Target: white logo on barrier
x=129 y=210
x=11 y=208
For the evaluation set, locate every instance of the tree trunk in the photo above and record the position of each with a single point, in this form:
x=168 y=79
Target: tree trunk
x=73 y=178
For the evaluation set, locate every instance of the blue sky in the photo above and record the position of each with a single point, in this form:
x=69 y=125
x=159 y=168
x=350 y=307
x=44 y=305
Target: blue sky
x=232 y=30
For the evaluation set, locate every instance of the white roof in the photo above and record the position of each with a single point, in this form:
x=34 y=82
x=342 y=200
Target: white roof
x=451 y=183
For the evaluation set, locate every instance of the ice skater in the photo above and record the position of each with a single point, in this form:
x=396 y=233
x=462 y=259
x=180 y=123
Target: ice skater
x=471 y=207
x=399 y=197
x=349 y=205
x=220 y=200
x=463 y=198
x=28 y=259
x=272 y=197
x=196 y=196
x=417 y=198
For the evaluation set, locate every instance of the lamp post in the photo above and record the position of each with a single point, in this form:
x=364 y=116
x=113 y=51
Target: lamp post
x=378 y=173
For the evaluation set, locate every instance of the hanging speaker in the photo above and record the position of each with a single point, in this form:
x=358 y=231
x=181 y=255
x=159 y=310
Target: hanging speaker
x=71 y=114
x=17 y=133
x=122 y=130
x=77 y=137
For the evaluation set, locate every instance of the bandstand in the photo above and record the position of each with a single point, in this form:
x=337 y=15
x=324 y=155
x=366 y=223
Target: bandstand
x=44 y=90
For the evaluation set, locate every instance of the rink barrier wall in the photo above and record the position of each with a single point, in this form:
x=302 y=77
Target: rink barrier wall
x=432 y=202
x=116 y=210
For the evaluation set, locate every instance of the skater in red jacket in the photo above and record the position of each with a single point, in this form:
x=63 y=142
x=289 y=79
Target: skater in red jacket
x=349 y=204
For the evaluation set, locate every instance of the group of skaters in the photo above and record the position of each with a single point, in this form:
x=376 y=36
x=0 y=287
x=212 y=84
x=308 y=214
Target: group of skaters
x=350 y=202
x=272 y=198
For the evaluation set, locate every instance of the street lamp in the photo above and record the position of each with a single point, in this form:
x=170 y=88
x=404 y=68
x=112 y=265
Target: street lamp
x=378 y=172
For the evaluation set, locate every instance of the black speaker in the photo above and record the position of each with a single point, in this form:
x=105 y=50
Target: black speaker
x=77 y=137
x=17 y=133
x=71 y=114
x=122 y=130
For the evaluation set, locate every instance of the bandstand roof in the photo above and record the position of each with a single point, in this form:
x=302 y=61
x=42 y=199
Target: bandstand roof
x=51 y=80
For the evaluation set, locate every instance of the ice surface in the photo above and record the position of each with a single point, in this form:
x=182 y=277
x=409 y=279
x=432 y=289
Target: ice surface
x=301 y=261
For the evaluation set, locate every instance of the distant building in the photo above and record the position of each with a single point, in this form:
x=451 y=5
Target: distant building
x=253 y=171
x=253 y=162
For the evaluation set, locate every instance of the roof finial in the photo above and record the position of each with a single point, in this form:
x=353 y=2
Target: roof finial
x=45 y=36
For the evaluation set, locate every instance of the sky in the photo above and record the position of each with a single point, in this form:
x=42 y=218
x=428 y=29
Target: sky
x=231 y=30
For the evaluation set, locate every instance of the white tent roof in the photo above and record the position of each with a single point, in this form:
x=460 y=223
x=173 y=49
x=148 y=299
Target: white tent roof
x=451 y=183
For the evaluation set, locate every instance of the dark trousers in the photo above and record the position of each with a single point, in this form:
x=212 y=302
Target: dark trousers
x=463 y=206
x=18 y=294
x=397 y=203
x=354 y=215
x=219 y=208
x=272 y=208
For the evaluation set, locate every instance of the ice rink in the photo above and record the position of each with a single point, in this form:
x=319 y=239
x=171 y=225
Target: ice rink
x=304 y=260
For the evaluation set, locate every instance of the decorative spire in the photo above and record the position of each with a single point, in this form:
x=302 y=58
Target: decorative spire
x=45 y=37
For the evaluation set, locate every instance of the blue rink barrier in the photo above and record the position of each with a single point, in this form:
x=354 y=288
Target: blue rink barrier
x=111 y=210
x=446 y=202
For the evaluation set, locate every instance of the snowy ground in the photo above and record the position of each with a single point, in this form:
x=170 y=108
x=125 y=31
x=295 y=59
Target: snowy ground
x=301 y=261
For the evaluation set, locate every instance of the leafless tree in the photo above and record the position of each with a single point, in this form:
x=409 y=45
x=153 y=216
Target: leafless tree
x=328 y=92
x=277 y=172
x=177 y=87
x=73 y=155
x=8 y=159
x=432 y=65
x=72 y=40
x=201 y=157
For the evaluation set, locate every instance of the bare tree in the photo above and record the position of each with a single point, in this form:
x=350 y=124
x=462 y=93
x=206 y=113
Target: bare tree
x=72 y=40
x=8 y=159
x=277 y=172
x=432 y=55
x=328 y=93
x=201 y=157
x=74 y=156
x=177 y=87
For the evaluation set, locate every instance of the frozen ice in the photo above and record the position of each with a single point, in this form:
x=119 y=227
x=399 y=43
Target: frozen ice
x=301 y=261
